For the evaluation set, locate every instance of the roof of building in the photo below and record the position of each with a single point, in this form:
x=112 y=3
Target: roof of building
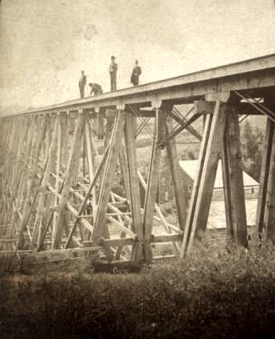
x=190 y=168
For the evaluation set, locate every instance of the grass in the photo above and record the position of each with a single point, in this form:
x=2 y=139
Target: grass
x=208 y=296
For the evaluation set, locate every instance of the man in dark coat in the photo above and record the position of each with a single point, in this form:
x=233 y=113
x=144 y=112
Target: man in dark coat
x=135 y=74
x=113 y=71
x=82 y=83
x=95 y=88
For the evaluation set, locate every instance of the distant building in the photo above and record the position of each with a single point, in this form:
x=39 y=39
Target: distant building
x=189 y=167
x=217 y=210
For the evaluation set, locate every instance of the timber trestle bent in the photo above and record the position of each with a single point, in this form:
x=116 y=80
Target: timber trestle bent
x=71 y=178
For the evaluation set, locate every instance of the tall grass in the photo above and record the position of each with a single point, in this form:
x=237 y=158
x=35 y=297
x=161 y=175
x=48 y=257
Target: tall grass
x=207 y=296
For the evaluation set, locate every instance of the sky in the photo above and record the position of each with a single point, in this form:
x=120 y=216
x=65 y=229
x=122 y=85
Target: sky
x=44 y=45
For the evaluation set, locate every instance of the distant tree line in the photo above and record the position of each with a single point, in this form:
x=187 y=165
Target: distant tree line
x=252 y=150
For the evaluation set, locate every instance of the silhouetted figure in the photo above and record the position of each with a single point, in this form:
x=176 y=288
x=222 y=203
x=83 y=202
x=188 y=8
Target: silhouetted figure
x=113 y=71
x=95 y=88
x=135 y=74
x=82 y=83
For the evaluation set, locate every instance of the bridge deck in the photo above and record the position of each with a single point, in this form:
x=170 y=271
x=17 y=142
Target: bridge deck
x=251 y=74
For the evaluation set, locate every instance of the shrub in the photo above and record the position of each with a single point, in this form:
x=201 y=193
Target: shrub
x=210 y=295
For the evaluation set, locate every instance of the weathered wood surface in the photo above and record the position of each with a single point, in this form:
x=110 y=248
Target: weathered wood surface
x=58 y=182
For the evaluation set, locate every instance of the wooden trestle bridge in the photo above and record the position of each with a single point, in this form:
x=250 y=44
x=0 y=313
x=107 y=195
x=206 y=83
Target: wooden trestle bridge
x=60 y=166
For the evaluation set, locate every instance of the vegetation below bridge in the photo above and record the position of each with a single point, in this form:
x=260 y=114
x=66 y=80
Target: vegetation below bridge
x=208 y=296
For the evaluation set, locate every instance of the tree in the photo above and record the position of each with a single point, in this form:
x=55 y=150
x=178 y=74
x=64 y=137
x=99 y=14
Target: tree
x=251 y=141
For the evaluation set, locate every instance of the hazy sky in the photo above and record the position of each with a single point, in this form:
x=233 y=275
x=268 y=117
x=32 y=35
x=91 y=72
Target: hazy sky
x=45 y=44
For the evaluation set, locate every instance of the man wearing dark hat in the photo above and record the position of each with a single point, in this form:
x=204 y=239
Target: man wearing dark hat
x=82 y=83
x=135 y=74
x=95 y=88
x=112 y=71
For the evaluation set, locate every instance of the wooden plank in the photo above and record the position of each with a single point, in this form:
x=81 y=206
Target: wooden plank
x=86 y=198
x=116 y=242
x=161 y=257
x=269 y=135
x=227 y=189
x=121 y=226
x=68 y=250
x=180 y=188
x=88 y=136
x=25 y=216
x=270 y=198
x=70 y=176
x=236 y=180
x=245 y=75
x=118 y=253
x=196 y=186
x=80 y=219
x=134 y=189
x=152 y=183
x=208 y=174
x=107 y=179
x=166 y=238
x=58 y=167
x=124 y=171
x=24 y=183
x=160 y=216
x=100 y=125
x=37 y=232
x=111 y=115
x=41 y=137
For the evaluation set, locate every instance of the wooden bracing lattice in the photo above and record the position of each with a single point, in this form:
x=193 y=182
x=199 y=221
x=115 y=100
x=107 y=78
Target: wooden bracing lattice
x=66 y=188
x=61 y=187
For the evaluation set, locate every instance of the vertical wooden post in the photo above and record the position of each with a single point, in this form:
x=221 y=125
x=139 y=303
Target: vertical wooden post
x=58 y=167
x=180 y=188
x=100 y=125
x=111 y=114
x=152 y=182
x=41 y=137
x=37 y=231
x=21 y=229
x=195 y=190
x=237 y=197
x=269 y=135
x=226 y=189
x=269 y=219
x=270 y=199
x=210 y=163
x=70 y=176
x=28 y=207
x=32 y=141
x=108 y=175
x=90 y=165
x=130 y=142
x=124 y=171
x=65 y=139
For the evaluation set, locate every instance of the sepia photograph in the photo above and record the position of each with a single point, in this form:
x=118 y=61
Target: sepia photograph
x=137 y=169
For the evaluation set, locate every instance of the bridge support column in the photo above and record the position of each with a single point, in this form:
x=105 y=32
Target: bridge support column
x=38 y=226
x=265 y=221
x=204 y=182
x=221 y=135
x=233 y=181
x=152 y=182
x=134 y=189
x=108 y=175
x=180 y=188
x=100 y=124
x=70 y=177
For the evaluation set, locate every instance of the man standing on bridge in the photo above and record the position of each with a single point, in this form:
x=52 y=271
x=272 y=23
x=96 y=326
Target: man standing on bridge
x=135 y=74
x=112 y=71
x=82 y=83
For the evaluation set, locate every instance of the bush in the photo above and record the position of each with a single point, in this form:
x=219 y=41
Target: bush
x=207 y=296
